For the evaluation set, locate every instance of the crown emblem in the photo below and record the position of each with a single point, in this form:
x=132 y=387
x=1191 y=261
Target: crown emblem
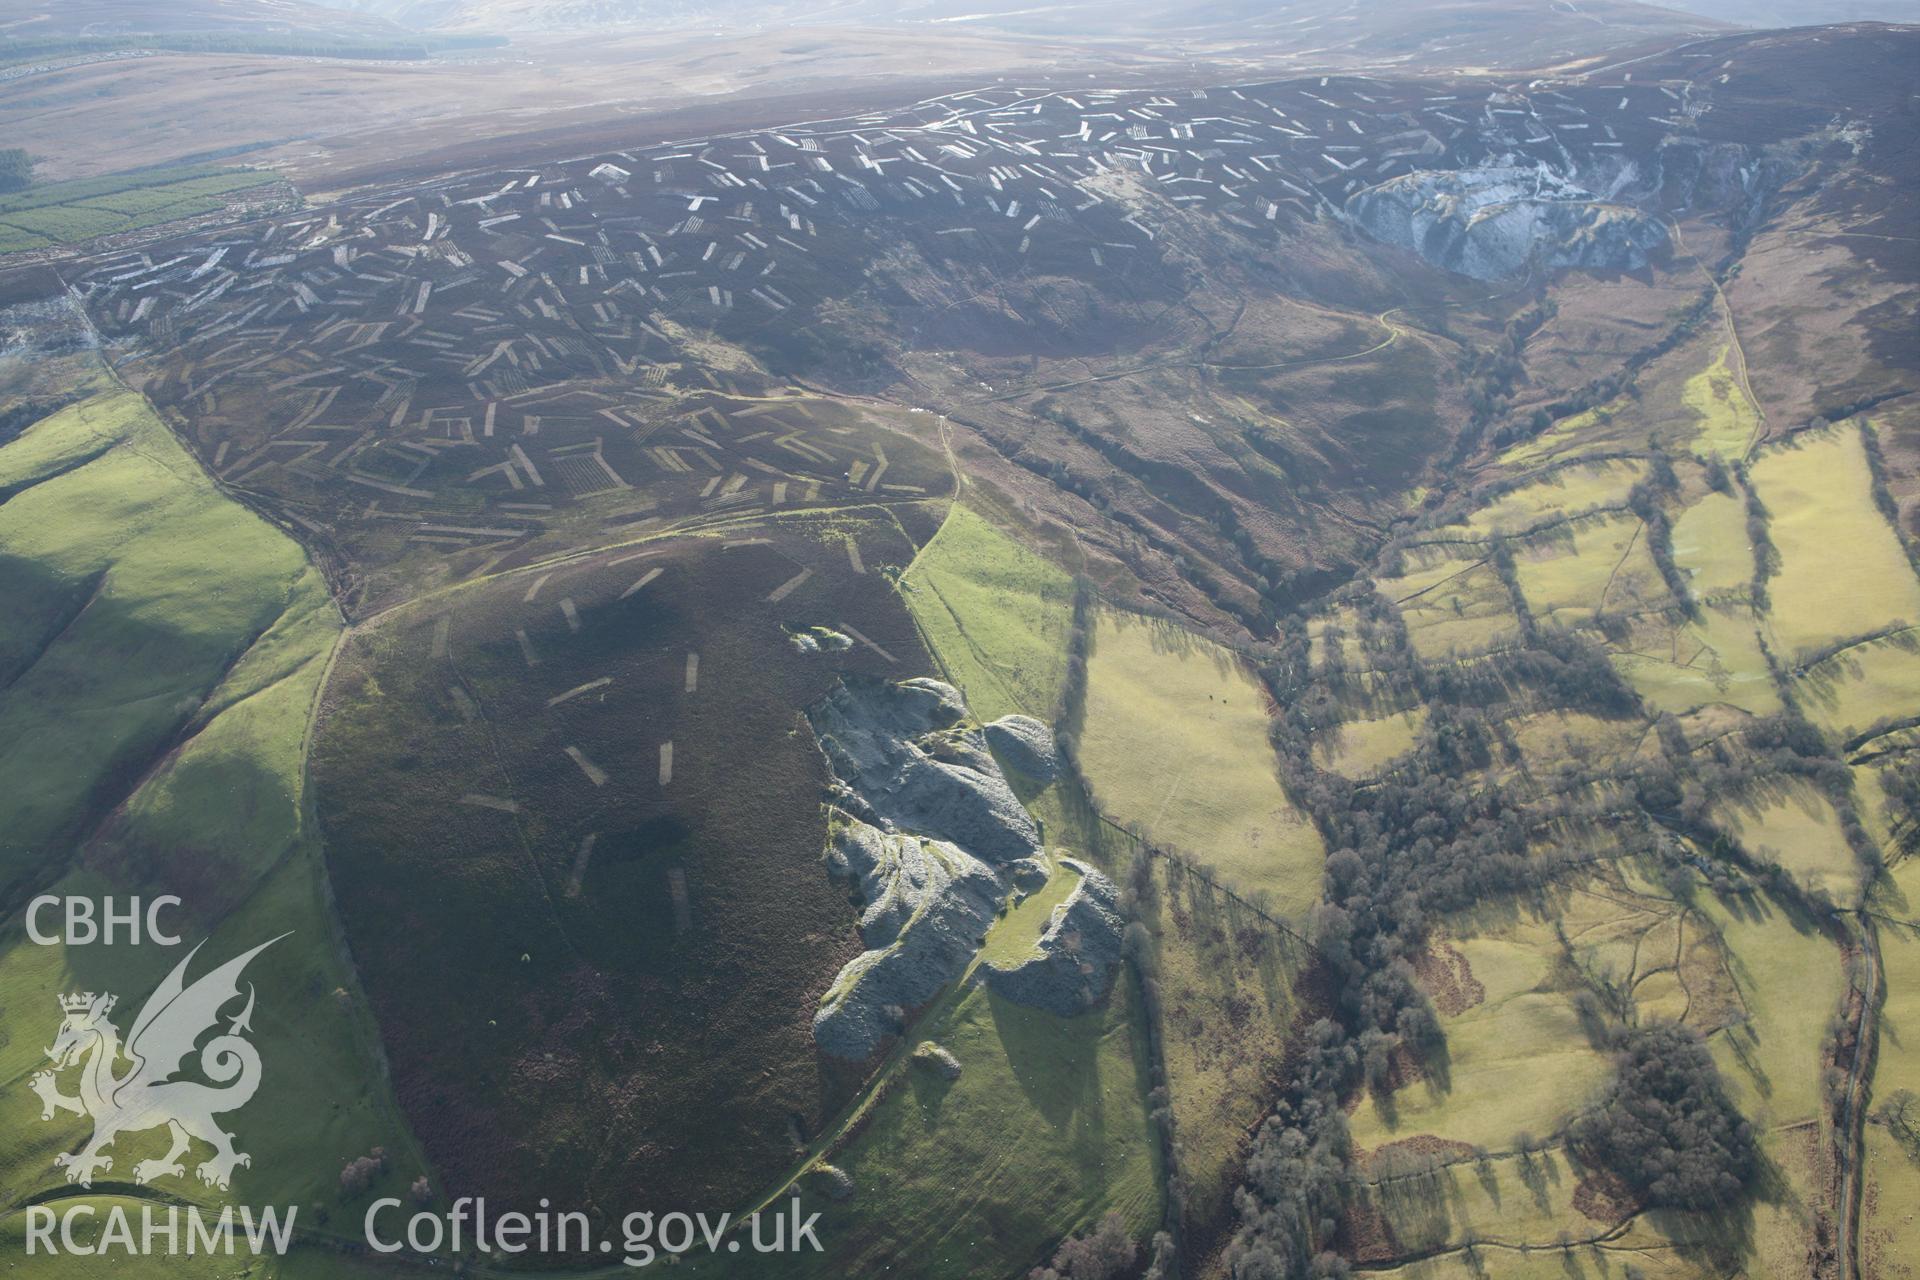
x=81 y=1001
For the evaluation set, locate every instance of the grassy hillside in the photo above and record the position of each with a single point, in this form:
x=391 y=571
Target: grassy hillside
x=998 y=614
x=137 y=591
x=1045 y=1129
x=164 y=668
x=1225 y=976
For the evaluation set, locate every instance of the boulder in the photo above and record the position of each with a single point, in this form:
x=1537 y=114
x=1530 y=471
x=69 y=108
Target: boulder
x=937 y=1059
x=1026 y=744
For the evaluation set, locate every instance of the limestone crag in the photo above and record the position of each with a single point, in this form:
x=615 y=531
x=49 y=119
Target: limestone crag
x=1491 y=223
x=906 y=759
x=1074 y=961
x=928 y=906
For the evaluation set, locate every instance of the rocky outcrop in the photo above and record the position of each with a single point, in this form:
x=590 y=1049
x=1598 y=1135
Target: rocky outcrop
x=1074 y=961
x=1027 y=875
x=936 y=1058
x=906 y=759
x=934 y=842
x=1492 y=222
x=928 y=906
x=831 y=1181
x=1026 y=744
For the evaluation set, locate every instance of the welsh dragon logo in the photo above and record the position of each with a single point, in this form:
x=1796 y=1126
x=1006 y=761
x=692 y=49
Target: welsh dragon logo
x=145 y=1096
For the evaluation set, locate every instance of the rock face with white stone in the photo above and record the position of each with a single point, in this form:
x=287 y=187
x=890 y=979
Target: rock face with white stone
x=928 y=906
x=1073 y=965
x=930 y=836
x=934 y=842
x=906 y=759
x=1491 y=223
x=1026 y=744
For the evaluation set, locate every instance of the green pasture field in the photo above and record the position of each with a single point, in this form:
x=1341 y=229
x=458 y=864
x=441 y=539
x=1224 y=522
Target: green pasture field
x=1453 y=604
x=1758 y=983
x=1789 y=822
x=1174 y=740
x=1863 y=685
x=1789 y=980
x=1710 y=545
x=997 y=617
x=1729 y=420
x=1890 y=1226
x=1843 y=573
x=1362 y=748
x=57 y=213
x=1517 y=1059
x=1679 y=664
x=1016 y=935
x=135 y=588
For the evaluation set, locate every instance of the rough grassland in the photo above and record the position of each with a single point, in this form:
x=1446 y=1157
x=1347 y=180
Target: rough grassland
x=1679 y=665
x=998 y=615
x=1628 y=935
x=1175 y=741
x=1568 y=434
x=1728 y=420
x=1890 y=1207
x=1514 y=1199
x=1226 y=982
x=1561 y=493
x=1352 y=652
x=1550 y=740
x=1655 y=1256
x=1842 y=571
x=1452 y=605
